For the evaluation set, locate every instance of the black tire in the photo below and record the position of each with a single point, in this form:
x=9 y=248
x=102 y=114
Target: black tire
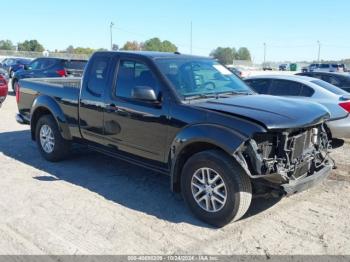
x=61 y=146
x=14 y=82
x=237 y=183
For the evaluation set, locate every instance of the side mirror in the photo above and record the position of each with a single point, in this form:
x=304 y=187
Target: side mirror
x=27 y=67
x=144 y=93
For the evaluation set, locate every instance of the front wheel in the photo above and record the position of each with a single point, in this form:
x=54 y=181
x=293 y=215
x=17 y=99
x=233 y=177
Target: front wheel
x=216 y=188
x=53 y=147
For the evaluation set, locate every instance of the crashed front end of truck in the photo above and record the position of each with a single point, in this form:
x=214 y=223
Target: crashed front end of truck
x=287 y=162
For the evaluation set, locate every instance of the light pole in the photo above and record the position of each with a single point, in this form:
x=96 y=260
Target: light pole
x=111 y=28
x=264 y=54
x=319 y=52
x=191 y=39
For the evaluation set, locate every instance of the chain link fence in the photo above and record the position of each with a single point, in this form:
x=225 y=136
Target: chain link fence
x=10 y=53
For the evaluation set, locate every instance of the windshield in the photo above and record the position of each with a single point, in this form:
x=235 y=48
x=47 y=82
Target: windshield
x=201 y=77
x=330 y=88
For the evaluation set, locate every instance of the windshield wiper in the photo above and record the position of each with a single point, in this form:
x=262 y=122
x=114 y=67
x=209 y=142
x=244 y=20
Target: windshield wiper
x=214 y=95
x=235 y=93
x=200 y=96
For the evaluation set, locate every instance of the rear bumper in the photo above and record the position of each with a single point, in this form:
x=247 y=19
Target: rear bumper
x=340 y=128
x=22 y=120
x=305 y=183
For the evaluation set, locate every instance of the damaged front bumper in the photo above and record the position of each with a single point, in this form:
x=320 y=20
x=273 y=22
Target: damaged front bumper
x=286 y=162
x=302 y=184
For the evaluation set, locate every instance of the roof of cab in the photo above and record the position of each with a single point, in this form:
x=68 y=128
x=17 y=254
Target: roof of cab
x=155 y=55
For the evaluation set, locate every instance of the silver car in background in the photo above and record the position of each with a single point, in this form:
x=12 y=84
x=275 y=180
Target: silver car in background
x=336 y=100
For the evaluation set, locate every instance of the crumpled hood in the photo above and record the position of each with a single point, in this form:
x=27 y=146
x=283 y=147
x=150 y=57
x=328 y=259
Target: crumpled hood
x=271 y=111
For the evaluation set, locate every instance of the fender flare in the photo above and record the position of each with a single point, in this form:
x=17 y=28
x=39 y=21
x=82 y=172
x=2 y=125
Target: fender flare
x=49 y=104
x=221 y=137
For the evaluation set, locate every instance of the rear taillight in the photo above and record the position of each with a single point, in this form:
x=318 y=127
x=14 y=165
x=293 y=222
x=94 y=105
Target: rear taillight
x=3 y=88
x=345 y=106
x=62 y=73
x=18 y=96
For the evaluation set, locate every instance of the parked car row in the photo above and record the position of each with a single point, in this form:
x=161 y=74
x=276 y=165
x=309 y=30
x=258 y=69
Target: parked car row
x=47 y=67
x=12 y=65
x=325 y=68
x=190 y=118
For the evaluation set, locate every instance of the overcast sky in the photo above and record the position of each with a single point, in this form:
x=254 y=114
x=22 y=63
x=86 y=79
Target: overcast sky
x=290 y=29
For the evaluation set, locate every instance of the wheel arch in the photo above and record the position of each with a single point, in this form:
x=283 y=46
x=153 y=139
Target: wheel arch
x=45 y=105
x=198 y=138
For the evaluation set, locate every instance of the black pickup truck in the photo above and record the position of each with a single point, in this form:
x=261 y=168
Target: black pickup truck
x=185 y=116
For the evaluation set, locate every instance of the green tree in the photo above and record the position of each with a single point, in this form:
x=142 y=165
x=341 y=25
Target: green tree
x=155 y=44
x=84 y=50
x=168 y=46
x=6 y=45
x=224 y=55
x=132 y=46
x=244 y=54
x=70 y=49
x=30 y=45
x=234 y=53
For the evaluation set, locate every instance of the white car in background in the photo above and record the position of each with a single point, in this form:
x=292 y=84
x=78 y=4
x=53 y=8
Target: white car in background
x=325 y=68
x=336 y=100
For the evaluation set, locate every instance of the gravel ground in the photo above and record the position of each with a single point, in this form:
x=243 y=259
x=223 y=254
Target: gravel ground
x=92 y=204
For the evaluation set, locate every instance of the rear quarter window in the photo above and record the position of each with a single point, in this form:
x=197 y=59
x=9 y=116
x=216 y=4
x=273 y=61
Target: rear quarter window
x=331 y=88
x=98 y=75
x=286 y=88
x=261 y=86
x=307 y=91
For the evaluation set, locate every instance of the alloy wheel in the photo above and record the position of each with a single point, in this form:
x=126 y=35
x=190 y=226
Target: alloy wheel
x=47 y=139
x=209 y=189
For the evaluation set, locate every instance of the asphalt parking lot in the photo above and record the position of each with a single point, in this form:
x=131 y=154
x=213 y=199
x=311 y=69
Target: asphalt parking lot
x=92 y=204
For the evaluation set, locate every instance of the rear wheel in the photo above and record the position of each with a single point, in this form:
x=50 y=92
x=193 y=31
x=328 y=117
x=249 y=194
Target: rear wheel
x=53 y=147
x=216 y=188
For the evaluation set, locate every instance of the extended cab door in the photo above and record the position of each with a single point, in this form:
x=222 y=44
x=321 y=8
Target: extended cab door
x=97 y=79
x=133 y=126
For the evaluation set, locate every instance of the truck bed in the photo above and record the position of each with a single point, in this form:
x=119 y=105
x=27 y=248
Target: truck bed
x=56 y=82
x=63 y=91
